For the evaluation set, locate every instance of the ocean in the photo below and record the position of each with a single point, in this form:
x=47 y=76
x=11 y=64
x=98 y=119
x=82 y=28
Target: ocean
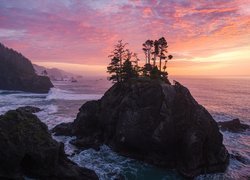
x=224 y=98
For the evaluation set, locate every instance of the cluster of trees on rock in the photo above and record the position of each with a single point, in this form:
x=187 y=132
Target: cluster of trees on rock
x=124 y=64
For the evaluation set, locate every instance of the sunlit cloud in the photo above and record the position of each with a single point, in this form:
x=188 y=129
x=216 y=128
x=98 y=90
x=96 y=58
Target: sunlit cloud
x=199 y=33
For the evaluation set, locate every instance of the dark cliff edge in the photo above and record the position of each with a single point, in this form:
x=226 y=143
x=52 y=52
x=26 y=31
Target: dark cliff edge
x=154 y=122
x=17 y=73
x=28 y=150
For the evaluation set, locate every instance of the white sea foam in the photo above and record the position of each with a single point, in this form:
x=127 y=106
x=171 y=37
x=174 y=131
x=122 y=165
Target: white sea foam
x=48 y=115
x=9 y=91
x=68 y=95
x=109 y=165
x=13 y=99
x=69 y=148
x=4 y=109
x=106 y=163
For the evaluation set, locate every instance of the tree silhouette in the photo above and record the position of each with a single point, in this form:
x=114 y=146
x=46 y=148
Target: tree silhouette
x=122 y=68
x=165 y=64
x=119 y=52
x=135 y=59
x=147 y=46
x=118 y=55
x=155 y=52
x=128 y=72
x=162 y=49
x=155 y=73
x=114 y=70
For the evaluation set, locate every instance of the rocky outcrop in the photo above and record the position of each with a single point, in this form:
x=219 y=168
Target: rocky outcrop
x=28 y=150
x=154 y=122
x=17 y=73
x=29 y=109
x=234 y=126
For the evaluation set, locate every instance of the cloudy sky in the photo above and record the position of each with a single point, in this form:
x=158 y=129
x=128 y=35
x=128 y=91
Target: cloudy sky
x=206 y=37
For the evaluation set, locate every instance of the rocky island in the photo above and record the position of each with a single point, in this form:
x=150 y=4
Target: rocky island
x=17 y=73
x=144 y=117
x=152 y=121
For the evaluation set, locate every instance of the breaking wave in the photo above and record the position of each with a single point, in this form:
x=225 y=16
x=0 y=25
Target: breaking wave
x=56 y=93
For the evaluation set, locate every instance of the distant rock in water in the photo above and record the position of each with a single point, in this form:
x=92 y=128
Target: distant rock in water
x=28 y=150
x=234 y=126
x=17 y=73
x=154 y=122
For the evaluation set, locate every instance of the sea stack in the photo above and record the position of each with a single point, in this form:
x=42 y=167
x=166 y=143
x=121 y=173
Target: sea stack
x=155 y=122
x=17 y=73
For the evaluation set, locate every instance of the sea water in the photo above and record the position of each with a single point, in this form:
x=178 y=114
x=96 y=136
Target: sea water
x=224 y=98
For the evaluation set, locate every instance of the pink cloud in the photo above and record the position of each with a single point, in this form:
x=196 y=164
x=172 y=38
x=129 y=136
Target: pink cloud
x=85 y=31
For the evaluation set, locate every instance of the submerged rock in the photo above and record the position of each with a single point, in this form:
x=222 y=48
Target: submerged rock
x=17 y=73
x=27 y=149
x=154 y=122
x=234 y=126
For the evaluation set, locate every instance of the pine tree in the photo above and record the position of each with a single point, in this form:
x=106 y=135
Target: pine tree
x=147 y=48
x=155 y=52
x=114 y=70
x=162 y=49
x=120 y=52
x=128 y=71
x=118 y=55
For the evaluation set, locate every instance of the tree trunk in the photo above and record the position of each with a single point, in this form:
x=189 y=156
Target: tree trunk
x=154 y=59
x=148 y=57
x=160 y=64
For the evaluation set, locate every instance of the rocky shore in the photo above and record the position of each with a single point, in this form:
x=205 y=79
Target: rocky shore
x=28 y=150
x=152 y=121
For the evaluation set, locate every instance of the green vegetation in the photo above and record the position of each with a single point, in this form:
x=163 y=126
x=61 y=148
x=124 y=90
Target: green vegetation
x=124 y=64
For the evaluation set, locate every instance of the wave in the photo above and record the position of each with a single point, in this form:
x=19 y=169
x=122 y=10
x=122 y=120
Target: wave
x=56 y=93
x=13 y=99
x=109 y=165
x=9 y=91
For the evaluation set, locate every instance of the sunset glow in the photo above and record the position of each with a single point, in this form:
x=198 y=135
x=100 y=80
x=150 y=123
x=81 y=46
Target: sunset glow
x=205 y=37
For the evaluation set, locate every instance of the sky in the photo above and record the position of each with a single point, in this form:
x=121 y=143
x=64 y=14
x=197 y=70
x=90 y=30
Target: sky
x=206 y=37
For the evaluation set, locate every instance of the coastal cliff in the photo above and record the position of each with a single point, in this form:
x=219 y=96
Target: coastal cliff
x=17 y=73
x=28 y=150
x=152 y=121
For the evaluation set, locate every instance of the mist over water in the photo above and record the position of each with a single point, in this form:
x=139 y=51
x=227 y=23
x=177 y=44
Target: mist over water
x=225 y=99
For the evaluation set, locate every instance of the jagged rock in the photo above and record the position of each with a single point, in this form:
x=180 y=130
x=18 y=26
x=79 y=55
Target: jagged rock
x=29 y=109
x=27 y=149
x=234 y=126
x=62 y=129
x=17 y=73
x=154 y=122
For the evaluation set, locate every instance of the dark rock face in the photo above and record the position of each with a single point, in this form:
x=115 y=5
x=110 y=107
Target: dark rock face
x=17 y=73
x=155 y=122
x=29 y=109
x=234 y=126
x=27 y=149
